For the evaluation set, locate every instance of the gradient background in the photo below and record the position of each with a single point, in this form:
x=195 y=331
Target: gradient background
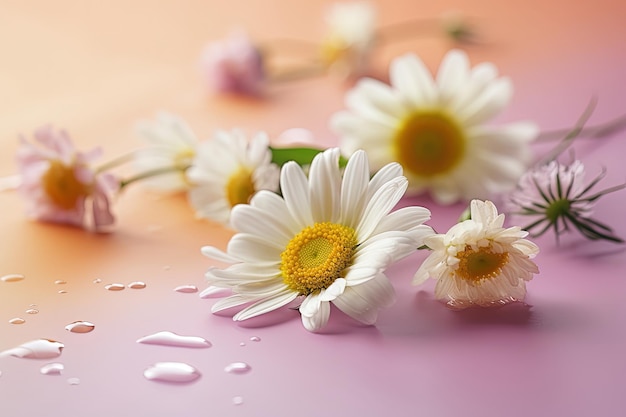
x=96 y=68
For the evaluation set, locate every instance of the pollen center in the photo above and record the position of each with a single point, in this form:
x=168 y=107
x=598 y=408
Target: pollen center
x=429 y=143
x=478 y=265
x=317 y=256
x=62 y=186
x=240 y=187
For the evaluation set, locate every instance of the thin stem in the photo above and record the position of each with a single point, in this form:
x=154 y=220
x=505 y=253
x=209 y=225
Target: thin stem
x=592 y=132
x=151 y=173
x=115 y=162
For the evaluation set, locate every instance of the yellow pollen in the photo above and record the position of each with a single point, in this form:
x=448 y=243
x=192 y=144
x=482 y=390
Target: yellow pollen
x=317 y=256
x=429 y=143
x=478 y=265
x=240 y=187
x=62 y=186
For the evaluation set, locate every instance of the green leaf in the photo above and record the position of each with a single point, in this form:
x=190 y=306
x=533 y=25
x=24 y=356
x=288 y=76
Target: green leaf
x=301 y=156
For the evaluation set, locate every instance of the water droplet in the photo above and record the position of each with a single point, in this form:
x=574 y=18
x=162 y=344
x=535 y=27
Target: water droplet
x=172 y=339
x=186 y=288
x=242 y=343
x=32 y=311
x=62 y=292
x=255 y=339
x=137 y=285
x=114 y=287
x=238 y=368
x=36 y=349
x=80 y=327
x=171 y=372
x=17 y=320
x=237 y=400
x=73 y=381
x=60 y=282
x=54 y=368
x=97 y=281
x=12 y=278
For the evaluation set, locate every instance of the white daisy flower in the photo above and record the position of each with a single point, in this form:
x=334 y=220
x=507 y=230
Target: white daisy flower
x=350 y=37
x=328 y=239
x=227 y=171
x=172 y=147
x=479 y=262
x=435 y=128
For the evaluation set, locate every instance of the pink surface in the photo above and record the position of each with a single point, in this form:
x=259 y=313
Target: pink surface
x=96 y=70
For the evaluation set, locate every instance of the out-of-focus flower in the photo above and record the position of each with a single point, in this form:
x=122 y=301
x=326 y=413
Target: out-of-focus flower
x=171 y=149
x=350 y=37
x=234 y=65
x=478 y=262
x=328 y=239
x=59 y=185
x=555 y=196
x=228 y=170
x=436 y=128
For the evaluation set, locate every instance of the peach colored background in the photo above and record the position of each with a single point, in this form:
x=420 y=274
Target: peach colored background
x=95 y=68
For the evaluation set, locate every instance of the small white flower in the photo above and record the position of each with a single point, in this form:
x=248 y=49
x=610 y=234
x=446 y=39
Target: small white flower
x=328 y=239
x=172 y=147
x=228 y=170
x=435 y=128
x=350 y=37
x=479 y=262
x=555 y=196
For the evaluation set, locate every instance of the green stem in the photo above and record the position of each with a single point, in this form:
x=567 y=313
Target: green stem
x=122 y=159
x=151 y=173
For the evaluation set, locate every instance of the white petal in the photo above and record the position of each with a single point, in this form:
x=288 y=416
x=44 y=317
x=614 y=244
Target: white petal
x=324 y=186
x=485 y=106
x=453 y=74
x=266 y=305
x=295 y=189
x=380 y=205
x=317 y=319
x=252 y=248
x=334 y=290
x=249 y=219
x=410 y=77
x=218 y=255
x=354 y=189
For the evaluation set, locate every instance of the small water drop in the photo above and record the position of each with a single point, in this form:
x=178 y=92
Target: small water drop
x=73 y=381
x=97 y=281
x=137 y=285
x=60 y=282
x=36 y=349
x=12 y=278
x=238 y=368
x=62 y=292
x=255 y=339
x=80 y=327
x=171 y=372
x=114 y=287
x=32 y=311
x=17 y=320
x=242 y=343
x=186 y=289
x=166 y=338
x=54 y=368
x=238 y=400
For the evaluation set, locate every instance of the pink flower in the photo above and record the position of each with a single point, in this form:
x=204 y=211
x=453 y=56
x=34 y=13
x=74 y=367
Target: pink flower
x=233 y=65
x=58 y=184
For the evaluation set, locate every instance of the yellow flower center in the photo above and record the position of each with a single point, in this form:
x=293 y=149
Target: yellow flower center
x=240 y=187
x=429 y=143
x=62 y=186
x=317 y=256
x=478 y=265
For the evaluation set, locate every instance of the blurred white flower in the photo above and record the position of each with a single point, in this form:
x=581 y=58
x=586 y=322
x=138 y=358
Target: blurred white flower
x=478 y=262
x=350 y=37
x=228 y=170
x=171 y=149
x=436 y=128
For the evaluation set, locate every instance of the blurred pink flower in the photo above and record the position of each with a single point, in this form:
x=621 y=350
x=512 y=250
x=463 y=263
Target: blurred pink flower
x=234 y=65
x=59 y=186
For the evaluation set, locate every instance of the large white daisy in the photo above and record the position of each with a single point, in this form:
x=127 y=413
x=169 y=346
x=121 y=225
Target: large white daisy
x=228 y=170
x=479 y=262
x=435 y=128
x=328 y=239
x=171 y=148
